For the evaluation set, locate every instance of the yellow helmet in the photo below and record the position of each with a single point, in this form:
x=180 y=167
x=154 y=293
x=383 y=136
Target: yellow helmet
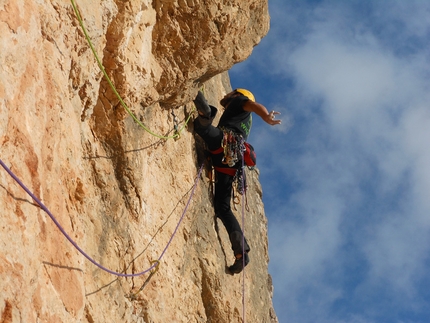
x=246 y=93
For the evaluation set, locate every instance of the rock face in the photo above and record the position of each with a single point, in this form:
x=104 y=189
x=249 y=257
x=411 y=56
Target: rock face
x=118 y=190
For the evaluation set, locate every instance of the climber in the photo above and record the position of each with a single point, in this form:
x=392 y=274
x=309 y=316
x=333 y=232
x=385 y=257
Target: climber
x=235 y=123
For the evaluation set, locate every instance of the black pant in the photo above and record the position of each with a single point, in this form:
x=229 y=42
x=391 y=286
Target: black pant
x=222 y=200
x=223 y=186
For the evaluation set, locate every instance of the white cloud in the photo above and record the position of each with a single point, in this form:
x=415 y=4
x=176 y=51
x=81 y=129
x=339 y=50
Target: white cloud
x=346 y=187
x=396 y=252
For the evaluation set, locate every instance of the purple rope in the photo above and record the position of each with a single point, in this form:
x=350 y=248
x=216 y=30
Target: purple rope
x=183 y=213
x=44 y=208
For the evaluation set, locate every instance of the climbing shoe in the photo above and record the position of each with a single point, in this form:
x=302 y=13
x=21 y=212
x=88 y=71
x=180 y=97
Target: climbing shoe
x=237 y=267
x=202 y=105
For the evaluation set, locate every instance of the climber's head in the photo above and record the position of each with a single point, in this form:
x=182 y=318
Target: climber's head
x=229 y=96
x=246 y=93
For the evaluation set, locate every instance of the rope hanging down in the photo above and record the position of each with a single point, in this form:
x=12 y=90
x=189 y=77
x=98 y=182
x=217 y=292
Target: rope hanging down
x=243 y=232
x=177 y=132
x=44 y=208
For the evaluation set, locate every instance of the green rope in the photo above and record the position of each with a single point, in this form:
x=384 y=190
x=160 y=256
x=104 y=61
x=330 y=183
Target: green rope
x=177 y=133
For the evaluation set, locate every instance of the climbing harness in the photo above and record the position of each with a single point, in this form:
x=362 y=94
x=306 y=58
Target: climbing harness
x=231 y=144
x=235 y=149
x=177 y=131
x=155 y=263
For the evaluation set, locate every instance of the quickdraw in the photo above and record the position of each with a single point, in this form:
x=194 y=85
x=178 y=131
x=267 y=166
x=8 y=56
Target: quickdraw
x=132 y=296
x=231 y=143
x=237 y=200
x=177 y=134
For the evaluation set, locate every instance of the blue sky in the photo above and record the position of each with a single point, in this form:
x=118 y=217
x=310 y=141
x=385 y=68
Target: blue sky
x=346 y=177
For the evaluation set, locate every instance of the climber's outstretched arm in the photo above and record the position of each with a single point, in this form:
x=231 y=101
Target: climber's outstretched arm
x=259 y=109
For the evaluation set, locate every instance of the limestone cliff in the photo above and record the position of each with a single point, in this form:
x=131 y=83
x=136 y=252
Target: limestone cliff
x=116 y=189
